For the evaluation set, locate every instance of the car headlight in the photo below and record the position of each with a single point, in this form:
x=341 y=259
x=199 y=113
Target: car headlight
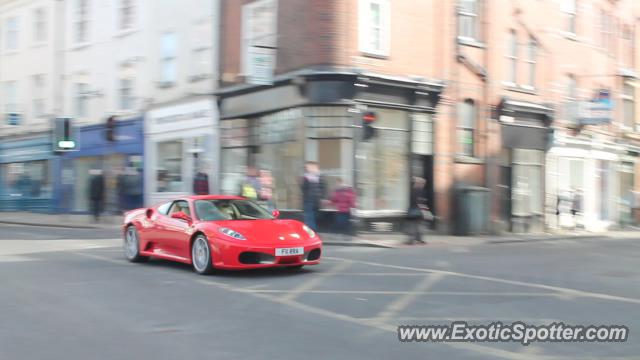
x=309 y=231
x=232 y=233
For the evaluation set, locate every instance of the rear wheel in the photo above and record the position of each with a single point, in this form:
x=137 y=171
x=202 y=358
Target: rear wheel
x=201 y=255
x=131 y=245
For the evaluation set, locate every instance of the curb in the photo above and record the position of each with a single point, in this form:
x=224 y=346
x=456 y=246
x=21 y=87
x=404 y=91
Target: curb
x=551 y=238
x=356 y=244
x=51 y=225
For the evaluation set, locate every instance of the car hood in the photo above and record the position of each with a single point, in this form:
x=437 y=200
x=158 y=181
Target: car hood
x=279 y=232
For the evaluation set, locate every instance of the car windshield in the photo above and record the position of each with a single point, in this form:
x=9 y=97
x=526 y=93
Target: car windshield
x=225 y=209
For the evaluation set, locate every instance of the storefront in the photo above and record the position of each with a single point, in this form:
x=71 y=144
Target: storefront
x=600 y=172
x=121 y=161
x=26 y=174
x=525 y=135
x=181 y=141
x=318 y=118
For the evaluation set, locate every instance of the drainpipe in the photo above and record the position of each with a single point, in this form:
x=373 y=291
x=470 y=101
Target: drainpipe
x=488 y=157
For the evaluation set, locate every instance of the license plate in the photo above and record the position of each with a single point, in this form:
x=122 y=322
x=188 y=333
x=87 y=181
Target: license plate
x=289 y=251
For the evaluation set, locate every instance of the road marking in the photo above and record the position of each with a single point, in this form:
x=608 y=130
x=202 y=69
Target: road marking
x=308 y=285
x=404 y=301
x=492 y=352
x=407 y=292
x=566 y=291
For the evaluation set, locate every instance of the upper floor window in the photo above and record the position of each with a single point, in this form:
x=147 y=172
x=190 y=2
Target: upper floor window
x=37 y=93
x=531 y=60
x=629 y=47
x=259 y=39
x=569 y=8
x=201 y=50
x=126 y=93
x=512 y=56
x=81 y=21
x=82 y=99
x=10 y=97
x=168 y=54
x=572 y=87
x=374 y=19
x=11 y=33
x=629 y=104
x=465 y=128
x=606 y=31
x=126 y=14
x=39 y=25
x=468 y=19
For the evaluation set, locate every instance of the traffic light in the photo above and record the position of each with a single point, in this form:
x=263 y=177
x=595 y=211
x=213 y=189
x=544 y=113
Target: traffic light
x=368 y=131
x=111 y=129
x=64 y=138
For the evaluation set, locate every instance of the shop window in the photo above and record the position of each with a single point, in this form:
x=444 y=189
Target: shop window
x=382 y=164
x=169 y=166
x=466 y=127
x=422 y=134
x=526 y=182
x=27 y=180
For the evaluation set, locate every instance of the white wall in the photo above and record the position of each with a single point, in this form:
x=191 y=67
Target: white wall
x=28 y=59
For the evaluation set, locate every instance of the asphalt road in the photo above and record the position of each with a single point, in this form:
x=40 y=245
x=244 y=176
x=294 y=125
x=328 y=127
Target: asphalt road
x=69 y=294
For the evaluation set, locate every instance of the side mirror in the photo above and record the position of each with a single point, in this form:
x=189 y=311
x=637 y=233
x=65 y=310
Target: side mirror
x=275 y=213
x=181 y=216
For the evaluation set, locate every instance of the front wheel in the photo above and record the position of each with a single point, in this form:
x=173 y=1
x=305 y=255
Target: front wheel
x=201 y=255
x=131 y=245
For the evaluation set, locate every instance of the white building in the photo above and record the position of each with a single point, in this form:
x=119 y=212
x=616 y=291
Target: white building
x=92 y=59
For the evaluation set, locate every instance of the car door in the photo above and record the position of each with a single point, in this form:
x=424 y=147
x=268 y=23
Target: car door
x=152 y=231
x=177 y=232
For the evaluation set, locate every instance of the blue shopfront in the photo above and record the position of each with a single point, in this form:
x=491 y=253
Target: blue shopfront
x=27 y=174
x=121 y=162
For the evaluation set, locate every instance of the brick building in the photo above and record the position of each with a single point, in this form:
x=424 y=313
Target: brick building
x=484 y=94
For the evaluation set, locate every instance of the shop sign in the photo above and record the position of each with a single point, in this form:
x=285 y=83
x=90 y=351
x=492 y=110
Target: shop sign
x=597 y=111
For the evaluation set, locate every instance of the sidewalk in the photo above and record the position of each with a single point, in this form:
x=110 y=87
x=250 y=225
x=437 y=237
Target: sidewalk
x=379 y=240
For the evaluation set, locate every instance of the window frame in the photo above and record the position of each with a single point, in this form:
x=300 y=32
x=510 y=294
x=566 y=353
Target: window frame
x=531 y=60
x=474 y=17
x=383 y=28
x=247 y=37
x=125 y=101
x=466 y=126
x=81 y=21
x=123 y=6
x=512 y=57
x=168 y=58
x=39 y=25
x=570 y=8
x=38 y=102
x=11 y=96
x=12 y=33
x=81 y=99
x=626 y=99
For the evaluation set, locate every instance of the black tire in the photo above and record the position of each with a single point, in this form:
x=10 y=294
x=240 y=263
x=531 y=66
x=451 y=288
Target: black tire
x=201 y=258
x=131 y=245
x=295 y=267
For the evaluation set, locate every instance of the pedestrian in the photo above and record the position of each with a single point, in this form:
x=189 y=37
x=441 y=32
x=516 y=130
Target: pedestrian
x=415 y=216
x=343 y=199
x=96 y=193
x=313 y=191
x=201 y=183
x=250 y=186
x=267 y=186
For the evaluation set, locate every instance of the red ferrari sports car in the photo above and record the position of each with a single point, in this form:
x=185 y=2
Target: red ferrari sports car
x=224 y=232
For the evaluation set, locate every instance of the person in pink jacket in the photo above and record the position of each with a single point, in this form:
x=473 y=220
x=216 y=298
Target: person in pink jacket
x=343 y=199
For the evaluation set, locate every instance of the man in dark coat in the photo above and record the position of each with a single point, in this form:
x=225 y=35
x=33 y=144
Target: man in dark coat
x=96 y=193
x=313 y=191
